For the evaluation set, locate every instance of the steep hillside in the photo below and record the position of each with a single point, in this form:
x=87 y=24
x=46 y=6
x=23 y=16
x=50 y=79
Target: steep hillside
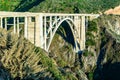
x=22 y=60
x=8 y=5
x=76 y=6
x=61 y=6
x=101 y=57
x=108 y=60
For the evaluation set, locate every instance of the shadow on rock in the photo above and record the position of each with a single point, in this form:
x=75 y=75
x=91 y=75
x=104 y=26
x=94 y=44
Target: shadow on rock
x=110 y=71
x=25 y=5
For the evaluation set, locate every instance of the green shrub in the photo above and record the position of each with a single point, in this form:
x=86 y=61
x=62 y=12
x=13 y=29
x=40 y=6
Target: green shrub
x=8 y=5
x=90 y=75
x=92 y=26
x=87 y=53
x=89 y=34
x=61 y=63
x=90 y=42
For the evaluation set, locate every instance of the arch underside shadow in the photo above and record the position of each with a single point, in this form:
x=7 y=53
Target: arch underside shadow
x=69 y=28
x=65 y=32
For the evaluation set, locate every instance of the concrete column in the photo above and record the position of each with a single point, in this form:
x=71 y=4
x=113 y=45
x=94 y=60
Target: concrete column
x=45 y=32
x=77 y=23
x=50 y=28
x=31 y=29
x=83 y=33
x=77 y=32
x=18 y=30
x=1 y=22
x=39 y=31
x=6 y=23
x=14 y=23
x=26 y=27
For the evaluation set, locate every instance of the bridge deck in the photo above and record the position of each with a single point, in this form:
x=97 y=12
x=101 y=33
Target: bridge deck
x=23 y=14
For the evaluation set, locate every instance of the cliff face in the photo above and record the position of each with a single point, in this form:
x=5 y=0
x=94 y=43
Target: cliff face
x=102 y=50
x=61 y=50
x=19 y=59
x=108 y=58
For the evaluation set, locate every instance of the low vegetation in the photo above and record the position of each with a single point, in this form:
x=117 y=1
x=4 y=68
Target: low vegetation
x=23 y=60
x=63 y=6
x=8 y=5
x=92 y=29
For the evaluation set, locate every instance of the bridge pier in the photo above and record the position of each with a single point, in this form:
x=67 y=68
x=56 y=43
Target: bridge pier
x=26 y=27
x=14 y=23
x=1 y=22
x=18 y=26
x=39 y=31
x=82 y=42
x=79 y=22
x=5 y=19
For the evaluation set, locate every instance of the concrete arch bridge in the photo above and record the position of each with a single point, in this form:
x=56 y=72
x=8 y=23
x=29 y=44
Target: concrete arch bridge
x=40 y=28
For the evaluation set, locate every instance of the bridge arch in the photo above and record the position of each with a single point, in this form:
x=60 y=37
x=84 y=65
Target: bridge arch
x=72 y=26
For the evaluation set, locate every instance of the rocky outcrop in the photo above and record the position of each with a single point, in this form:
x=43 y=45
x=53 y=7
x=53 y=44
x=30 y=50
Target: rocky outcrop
x=61 y=50
x=108 y=58
x=116 y=10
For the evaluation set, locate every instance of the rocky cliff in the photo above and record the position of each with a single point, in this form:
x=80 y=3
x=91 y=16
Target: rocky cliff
x=102 y=50
x=115 y=10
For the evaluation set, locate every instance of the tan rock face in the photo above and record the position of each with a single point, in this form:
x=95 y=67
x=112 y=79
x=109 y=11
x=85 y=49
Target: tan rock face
x=116 y=10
